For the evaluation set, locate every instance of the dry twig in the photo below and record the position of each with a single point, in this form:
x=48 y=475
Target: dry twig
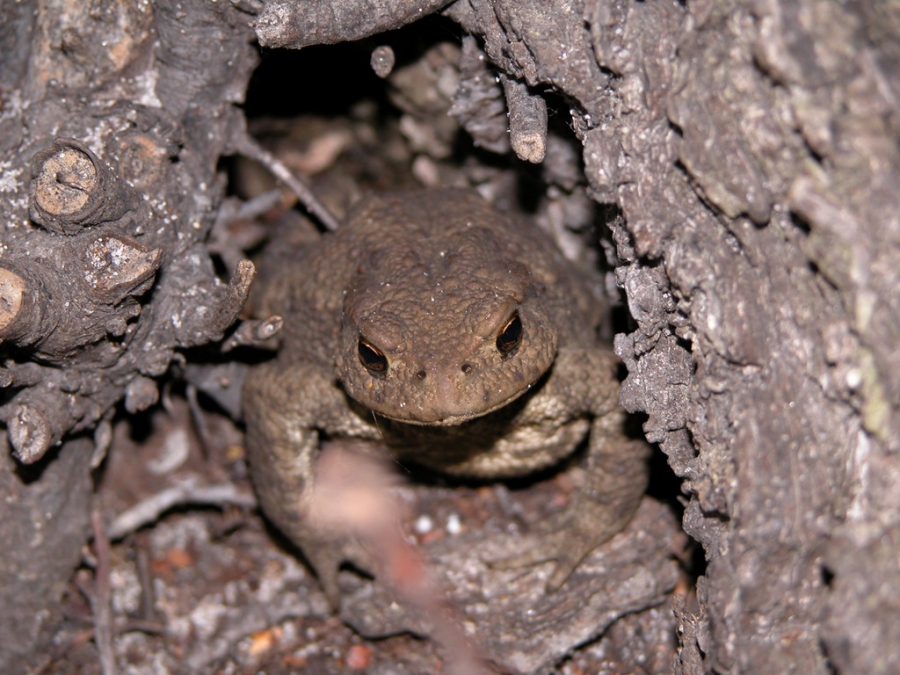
x=150 y=509
x=100 y=601
x=248 y=147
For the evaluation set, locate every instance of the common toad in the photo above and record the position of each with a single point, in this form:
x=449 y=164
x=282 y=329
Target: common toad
x=461 y=338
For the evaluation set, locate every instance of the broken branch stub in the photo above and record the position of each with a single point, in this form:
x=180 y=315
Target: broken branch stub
x=30 y=433
x=527 y=120
x=140 y=394
x=231 y=299
x=72 y=188
x=117 y=266
x=12 y=297
x=383 y=60
x=37 y=419
x=254 y=332
x=22 y=305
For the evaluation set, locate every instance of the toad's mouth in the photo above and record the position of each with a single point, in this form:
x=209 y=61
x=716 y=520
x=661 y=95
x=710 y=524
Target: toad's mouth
x=433 y=416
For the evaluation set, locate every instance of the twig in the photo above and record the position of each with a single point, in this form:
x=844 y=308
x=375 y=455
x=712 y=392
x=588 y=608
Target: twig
x=258 y=205
x=527 y=120
x=254 y=332
x=248 y=147
x=142 y=626
x=198 y=418
x=101 y=599
x=150 y=509
x=148 y=599
x=230 y=243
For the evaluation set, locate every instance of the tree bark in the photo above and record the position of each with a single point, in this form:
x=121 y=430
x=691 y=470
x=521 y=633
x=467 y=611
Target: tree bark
x=113 y=117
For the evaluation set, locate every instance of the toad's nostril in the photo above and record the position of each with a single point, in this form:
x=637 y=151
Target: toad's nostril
x=421 y=375
x=467 y=368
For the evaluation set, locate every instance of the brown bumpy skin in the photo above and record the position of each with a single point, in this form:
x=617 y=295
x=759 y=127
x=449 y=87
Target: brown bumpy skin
x=471 y=340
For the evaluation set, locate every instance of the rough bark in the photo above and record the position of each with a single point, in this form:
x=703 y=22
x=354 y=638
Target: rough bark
x=112 y=122
x=752 y=149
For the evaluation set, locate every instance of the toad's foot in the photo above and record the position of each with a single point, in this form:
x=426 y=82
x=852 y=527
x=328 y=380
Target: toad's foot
x=326 y=556
x=566 y=539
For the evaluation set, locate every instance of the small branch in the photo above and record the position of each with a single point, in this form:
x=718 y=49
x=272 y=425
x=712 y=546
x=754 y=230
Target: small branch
x=258 y=205
x=149 y=510
x=103 y=629
x=148 y=598
x=254 y=332
x=199 y=419
x=141 y=626
x=248 y=147
x=527 y=120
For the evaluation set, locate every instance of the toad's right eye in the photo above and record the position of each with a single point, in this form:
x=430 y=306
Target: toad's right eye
x=373 y=360
x=510 y=336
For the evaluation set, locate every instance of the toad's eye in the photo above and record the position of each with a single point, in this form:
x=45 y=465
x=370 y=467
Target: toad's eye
x=509 y=338
x=373 y=360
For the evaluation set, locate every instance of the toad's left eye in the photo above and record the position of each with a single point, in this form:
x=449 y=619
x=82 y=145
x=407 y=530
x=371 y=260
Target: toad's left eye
x=373 y=360
x=509 y=338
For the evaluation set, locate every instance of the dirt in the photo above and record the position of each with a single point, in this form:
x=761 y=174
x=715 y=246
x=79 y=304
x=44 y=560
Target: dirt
x=216 y=590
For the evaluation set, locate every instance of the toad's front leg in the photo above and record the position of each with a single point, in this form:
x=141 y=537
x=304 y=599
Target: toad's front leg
x=285 y=405
x=609 y=482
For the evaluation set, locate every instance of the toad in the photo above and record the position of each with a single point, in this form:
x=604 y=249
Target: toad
x=459 y=337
